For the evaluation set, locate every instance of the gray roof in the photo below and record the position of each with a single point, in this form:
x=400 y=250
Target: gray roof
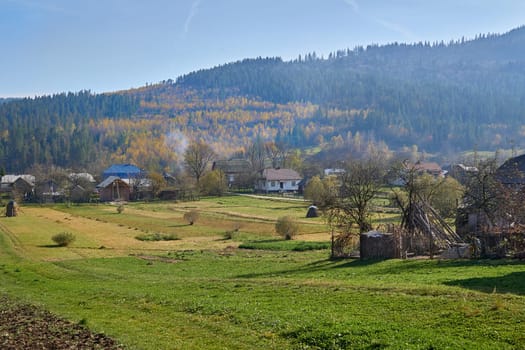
x=512 y=171
x=109 y=181
x=9 y=179
x=280 y=174
x=238 y=166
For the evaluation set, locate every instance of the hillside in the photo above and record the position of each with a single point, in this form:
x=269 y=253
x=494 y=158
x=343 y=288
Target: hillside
x=442 y=97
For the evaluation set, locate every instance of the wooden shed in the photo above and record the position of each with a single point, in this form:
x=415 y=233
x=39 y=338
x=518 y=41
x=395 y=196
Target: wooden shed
x=113 y=189
x=379 y=245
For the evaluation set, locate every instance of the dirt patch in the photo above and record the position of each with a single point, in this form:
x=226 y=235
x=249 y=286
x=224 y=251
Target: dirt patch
x=29 y=327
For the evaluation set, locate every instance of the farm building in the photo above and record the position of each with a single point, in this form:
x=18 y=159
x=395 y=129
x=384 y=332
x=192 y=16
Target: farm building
x=235 y=170
x=512 y=172
x=113 y=189
x=278 y=180
x=21 y=186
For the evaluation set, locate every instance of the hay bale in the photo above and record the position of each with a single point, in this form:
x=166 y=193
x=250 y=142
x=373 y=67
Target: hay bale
x=11 y=209
x=378 y=245
x=458 y=251
x=312 y=212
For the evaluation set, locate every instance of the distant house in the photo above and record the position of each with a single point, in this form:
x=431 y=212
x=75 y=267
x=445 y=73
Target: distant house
x=21 y=185
x=126 y=172
x=49 y=191
x=431 y=168
x=113 y=189
x=334 y=171
x=235 y=170
x=278 y=180
x=81 y=178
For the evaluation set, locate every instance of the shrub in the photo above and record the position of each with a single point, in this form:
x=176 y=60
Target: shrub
x=63 y=239
x=157 y=237
x=280 y=245
x=287 y=227
x=191 y=216
x=120 y=208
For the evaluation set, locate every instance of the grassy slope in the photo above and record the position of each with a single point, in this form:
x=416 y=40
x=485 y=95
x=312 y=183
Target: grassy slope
x=225 y=298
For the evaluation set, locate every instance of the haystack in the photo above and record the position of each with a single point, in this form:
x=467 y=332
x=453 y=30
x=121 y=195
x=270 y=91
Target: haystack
x=312 y=212
x=11 y=209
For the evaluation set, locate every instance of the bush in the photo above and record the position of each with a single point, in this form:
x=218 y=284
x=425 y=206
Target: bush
x=157 y=237
x=287 y=227
x=280 y=245
x=191 y=216
x=63 y=239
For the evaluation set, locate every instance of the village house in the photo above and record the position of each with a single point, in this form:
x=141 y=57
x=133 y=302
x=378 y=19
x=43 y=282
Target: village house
x=21 y=186
x=431 y=168
x=278 y=180
x=236 y=171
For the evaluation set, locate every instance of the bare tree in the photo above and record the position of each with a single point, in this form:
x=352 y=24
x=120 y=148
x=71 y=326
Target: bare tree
x=197 y=157
x=360 y=185
x=256 y=153
x=277 y=152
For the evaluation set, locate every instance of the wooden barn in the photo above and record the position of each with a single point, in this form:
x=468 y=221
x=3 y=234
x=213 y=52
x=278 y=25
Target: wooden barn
x=113 y=189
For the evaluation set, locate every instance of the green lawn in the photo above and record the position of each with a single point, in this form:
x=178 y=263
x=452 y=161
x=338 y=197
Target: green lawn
x=230 y=298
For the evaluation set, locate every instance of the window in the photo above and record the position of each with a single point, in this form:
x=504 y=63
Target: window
x=272 y=184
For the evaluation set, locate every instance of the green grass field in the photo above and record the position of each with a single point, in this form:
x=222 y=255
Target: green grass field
x=203 y=292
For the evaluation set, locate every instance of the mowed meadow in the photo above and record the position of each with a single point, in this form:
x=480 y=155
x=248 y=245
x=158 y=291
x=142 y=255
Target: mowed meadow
x=202 y=290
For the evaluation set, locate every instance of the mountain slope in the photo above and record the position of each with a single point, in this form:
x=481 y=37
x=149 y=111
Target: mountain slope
x=441 y=97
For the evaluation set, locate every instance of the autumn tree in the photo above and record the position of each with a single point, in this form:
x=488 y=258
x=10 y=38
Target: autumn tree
x=157 y=182
x=322 y=193
x=197 y=157
x=213 y=183
x=442 y=193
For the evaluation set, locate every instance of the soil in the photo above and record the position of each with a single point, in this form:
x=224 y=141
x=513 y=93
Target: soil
x=29 y=327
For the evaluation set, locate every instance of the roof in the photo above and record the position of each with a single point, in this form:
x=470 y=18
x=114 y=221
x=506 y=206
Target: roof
x=280 y=174
x=428 y=166
x=10 y=179
x=108 y=181
x=232 y=166
x=512 y=171
x=122 y=171
x=83 y=176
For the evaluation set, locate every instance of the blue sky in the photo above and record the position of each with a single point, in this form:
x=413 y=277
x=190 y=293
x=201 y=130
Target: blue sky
x=52 y=46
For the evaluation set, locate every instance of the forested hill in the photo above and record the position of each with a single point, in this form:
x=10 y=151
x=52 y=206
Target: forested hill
x=364 y=77
x=441 y=97
x=455 y=95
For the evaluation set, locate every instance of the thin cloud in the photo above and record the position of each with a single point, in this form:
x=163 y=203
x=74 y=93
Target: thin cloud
x=396 y=28
x=391 y=26
x=193 y=12
x=353 y=4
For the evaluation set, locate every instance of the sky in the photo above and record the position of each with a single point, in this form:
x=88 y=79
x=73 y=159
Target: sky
x=54 y=46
